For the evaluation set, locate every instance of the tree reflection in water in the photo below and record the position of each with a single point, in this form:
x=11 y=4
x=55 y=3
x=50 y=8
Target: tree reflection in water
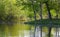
x=25 y=31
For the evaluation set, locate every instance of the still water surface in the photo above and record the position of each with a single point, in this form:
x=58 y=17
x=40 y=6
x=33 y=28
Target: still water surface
x=23 y=30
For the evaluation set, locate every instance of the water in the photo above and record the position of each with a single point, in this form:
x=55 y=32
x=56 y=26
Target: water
x=22 y=30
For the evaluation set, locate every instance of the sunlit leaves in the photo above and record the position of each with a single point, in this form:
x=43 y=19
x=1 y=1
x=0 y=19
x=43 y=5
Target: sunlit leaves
x=53 y=12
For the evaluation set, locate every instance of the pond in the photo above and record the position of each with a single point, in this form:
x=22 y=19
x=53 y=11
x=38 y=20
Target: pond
x=22 y=30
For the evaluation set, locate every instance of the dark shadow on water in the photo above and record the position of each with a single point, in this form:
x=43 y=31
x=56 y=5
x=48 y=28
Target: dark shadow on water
x=45 y=22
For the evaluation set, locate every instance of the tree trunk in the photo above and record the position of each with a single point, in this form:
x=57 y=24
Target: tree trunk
x=50 y=18
x=41 y=18
x=49 y=34
x=41 y=10
x=49 y=14
x=35 y=23
x=56 y=31
x=57 y=11
x=40 y=30
x=34 y=17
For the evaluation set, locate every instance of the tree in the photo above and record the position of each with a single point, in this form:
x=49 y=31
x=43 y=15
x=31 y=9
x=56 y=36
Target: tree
x=36 y=5
x=7 y=10
x=50 y=18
